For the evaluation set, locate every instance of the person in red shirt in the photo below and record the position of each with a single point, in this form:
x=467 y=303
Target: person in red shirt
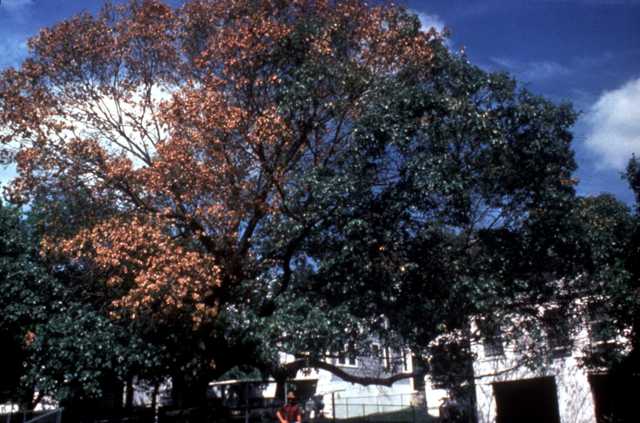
x=290 y=412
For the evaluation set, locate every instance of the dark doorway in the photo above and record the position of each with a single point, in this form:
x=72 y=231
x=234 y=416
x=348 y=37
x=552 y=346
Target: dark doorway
x=527 y=401
x=615 y=398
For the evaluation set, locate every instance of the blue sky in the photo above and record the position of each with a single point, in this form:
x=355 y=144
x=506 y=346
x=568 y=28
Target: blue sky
x=583 y=51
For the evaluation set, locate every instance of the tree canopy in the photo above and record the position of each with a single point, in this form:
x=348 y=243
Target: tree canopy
x=237 y=179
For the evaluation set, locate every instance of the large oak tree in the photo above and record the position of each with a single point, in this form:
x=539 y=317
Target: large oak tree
x=242 y=178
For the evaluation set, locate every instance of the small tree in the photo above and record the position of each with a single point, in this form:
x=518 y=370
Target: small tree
x=58 y=343
x=20 y=281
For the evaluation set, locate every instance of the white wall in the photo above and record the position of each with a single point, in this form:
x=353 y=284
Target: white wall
x=434 y=396
x=575 y=400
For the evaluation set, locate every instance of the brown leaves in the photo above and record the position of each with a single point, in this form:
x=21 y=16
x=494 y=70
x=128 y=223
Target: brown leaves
x=146 y=34
x=24 y=104
x=164 y=277
x=168 y=135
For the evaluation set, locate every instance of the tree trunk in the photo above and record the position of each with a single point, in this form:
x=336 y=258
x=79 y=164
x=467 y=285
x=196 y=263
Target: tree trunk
x=26 y=400
x=128 y=403
x=281 y=393
x=189 y=392
x=154 y=398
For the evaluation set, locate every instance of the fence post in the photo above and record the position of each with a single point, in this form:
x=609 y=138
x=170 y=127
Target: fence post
x=333 y=406
x=246 y=402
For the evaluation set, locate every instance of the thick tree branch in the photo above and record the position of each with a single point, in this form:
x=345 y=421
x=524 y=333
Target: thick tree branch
x=293 y=367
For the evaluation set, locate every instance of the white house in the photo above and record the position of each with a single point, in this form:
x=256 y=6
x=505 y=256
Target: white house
x=347 y=399
x=558 y=390
x=341 y=399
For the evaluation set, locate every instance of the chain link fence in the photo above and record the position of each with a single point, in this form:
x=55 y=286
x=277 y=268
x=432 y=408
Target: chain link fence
x=32 y=416
x=381 y=412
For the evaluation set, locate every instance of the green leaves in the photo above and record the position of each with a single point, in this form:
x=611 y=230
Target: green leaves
x=77 y=349
x=63 y=345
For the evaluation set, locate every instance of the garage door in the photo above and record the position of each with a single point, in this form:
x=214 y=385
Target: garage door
x=527 y=401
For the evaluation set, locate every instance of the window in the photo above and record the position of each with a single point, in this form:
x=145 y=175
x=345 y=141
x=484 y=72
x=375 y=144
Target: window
x=347 y=358
x=375 y=350
x=419 y=374
x=405 y=363
x=601 y=327
x=396 y=360
x=558 y=333
x=387 y=358
x=491 y=338
x=381 y=355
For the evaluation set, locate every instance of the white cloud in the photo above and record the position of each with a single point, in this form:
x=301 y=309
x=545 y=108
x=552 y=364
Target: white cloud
x=7 y=173
x=533 y=70
x=95 y=118
x=134 y=121
x=18 y=11
x=544 y=70
x=13 y=5
x=614 y=126
x=430 y=21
